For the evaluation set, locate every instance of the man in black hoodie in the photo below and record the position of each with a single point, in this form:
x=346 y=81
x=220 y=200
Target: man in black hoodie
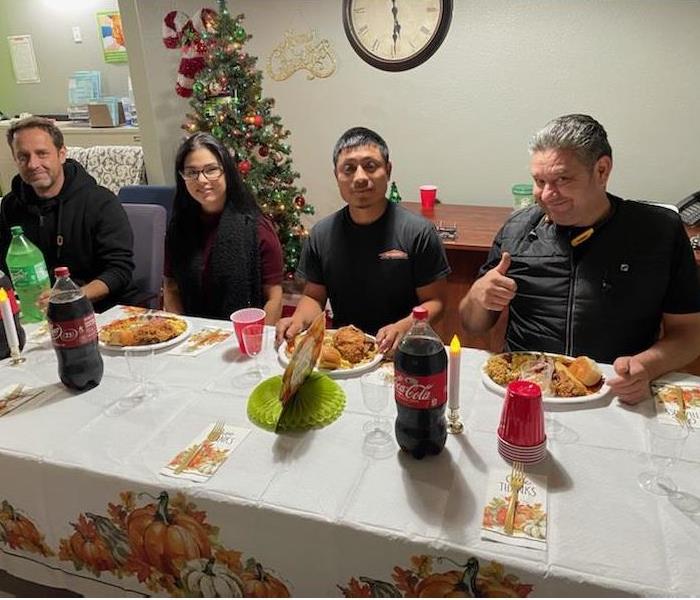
x=72 y=220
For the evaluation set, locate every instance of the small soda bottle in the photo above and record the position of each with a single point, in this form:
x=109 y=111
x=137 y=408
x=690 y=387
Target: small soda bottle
x=420 y=389
x=29 y=275
x=4 y=346
x=74 y=334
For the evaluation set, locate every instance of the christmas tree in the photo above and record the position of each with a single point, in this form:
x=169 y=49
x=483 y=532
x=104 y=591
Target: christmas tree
x=227 y=101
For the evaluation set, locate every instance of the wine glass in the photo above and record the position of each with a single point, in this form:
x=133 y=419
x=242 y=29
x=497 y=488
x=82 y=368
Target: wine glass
x=665 y=444
x=254 y=343
x=377 y=391
x=140 y=363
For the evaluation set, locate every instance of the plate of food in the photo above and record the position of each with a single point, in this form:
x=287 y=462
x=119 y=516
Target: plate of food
x=148 y=331
x=346 y=352
x=563 y=379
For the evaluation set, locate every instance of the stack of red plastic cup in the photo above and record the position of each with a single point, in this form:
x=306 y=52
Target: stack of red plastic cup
x=521 y=434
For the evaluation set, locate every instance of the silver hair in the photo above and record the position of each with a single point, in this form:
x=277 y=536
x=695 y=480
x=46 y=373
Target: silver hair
x=580 y=133
x=360 y=136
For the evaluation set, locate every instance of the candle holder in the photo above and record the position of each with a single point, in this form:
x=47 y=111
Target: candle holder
x=454 y=424
x=16 y=358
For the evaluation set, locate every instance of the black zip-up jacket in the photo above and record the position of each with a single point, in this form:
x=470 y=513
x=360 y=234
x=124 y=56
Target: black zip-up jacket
x=97 y=241
x=605 y=297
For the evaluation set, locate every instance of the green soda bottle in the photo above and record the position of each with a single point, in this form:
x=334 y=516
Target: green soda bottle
x=29 y=275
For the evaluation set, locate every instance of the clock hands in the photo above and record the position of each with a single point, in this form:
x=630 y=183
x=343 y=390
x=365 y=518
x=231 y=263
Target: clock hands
x=397 y=26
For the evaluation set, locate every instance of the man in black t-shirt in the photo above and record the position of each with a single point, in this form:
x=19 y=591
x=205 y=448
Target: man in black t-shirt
x=586 y=273
x=372 y=259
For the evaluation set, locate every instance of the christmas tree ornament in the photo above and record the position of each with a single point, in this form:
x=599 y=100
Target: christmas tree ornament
x=299 y=201
x=215 y=88
x=263 y=150
x=258 y=121
x=394 y=195
x=244 y=167
x=197 y=88
x=239 y=34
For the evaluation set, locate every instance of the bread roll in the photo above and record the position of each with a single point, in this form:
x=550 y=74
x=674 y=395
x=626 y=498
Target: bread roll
x=330 y=358
x=585 y=370
x=565 y=384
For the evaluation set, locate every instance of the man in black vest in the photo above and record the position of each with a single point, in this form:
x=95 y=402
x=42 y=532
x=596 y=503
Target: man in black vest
x=373 y=259
x=586 y=273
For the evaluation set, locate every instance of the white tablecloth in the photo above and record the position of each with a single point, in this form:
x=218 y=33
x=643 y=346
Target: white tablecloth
x=309 y=512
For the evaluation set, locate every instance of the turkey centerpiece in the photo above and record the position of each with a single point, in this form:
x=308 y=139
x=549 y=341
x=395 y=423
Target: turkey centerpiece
x=302 y=398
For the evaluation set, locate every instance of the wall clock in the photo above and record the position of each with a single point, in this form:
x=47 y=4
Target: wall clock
x=396 y=35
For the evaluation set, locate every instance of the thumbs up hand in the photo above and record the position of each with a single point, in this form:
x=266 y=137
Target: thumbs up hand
x=503 y=266
x=495 y=290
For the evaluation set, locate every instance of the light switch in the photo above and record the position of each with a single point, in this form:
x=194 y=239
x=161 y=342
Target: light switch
x=77 y=38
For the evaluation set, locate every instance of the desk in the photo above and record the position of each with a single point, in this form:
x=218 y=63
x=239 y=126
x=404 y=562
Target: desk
x=309 y=512
x=477 y=226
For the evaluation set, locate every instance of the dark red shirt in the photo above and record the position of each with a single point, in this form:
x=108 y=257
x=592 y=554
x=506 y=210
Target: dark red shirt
x=269 y=248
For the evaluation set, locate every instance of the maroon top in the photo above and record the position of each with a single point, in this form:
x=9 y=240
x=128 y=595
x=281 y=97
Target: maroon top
x=269 y=248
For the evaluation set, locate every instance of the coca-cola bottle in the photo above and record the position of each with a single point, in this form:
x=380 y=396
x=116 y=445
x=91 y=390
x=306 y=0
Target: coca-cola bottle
x=420 y=389
x=74 y=334
x=4 y=346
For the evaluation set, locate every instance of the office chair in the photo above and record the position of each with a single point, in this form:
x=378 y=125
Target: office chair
x=148 y=194
x=148 y=222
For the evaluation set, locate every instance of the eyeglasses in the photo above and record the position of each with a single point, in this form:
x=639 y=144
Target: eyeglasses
x=211 y=173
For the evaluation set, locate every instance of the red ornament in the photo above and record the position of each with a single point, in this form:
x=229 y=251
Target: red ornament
x=263 y=151
x=244 y=167
x=299 y=201
x=258 y=121
x=290 y=276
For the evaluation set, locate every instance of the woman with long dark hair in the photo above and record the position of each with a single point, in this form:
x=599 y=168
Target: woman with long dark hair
x=222 y=254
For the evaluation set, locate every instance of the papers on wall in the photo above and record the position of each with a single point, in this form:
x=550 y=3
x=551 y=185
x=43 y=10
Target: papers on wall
x=23 y=58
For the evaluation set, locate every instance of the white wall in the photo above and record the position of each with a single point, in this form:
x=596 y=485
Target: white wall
x=50 y=24
x=462 y=119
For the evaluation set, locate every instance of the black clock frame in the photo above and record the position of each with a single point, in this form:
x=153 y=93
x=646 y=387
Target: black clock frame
x=406 y=63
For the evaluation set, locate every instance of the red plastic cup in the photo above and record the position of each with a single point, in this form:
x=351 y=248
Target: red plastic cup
x=522 y=415
x=243 y=317
x=428 y=193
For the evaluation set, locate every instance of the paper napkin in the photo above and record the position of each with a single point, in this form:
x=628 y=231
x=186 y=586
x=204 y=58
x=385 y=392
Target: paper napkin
x=205 y=456
x=668 y=396
x=530 y=526
x=15 y=395
x=202 y=340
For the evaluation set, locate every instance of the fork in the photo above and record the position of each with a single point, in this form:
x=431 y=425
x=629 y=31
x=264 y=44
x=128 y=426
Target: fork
x=517 y=480
x=215 y=433
x=681 y=415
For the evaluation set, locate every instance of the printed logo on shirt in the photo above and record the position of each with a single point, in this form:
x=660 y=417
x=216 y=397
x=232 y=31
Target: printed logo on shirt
x=393 y=255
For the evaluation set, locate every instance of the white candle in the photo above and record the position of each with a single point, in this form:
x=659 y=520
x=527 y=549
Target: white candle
x=453 y=388
x=8 y=322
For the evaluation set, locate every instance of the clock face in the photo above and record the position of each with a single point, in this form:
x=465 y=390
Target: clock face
x=395 y=35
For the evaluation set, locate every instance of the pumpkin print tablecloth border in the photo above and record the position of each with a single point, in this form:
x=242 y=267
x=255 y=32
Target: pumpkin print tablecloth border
x=168 y=545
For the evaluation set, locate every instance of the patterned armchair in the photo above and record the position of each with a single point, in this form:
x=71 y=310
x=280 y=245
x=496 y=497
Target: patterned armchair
x=112 y=166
